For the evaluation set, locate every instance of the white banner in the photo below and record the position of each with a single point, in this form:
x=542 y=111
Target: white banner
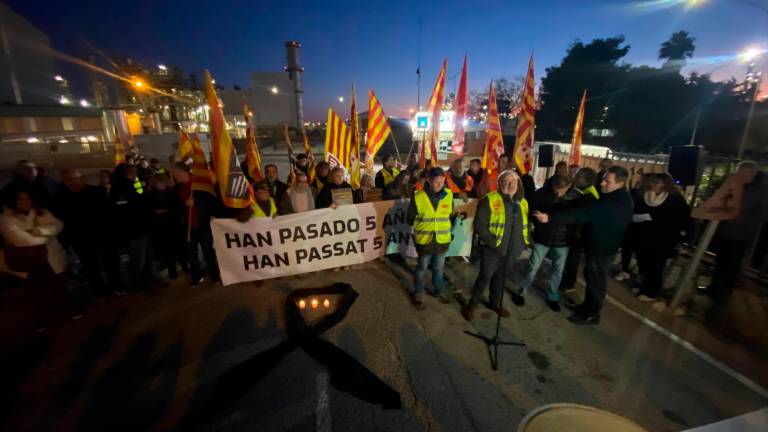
x=265 y=248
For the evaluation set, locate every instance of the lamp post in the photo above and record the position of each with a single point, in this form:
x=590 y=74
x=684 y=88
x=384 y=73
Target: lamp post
x=750 y=56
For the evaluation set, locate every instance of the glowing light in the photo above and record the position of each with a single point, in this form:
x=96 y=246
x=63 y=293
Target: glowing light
x=58 y=78
x=411 y=111
x=84 y=103
x=162 y=67
x=341 y=98
x=33 y=140
x=213 y=81
x=315 y=303
x=326 y=303
x=302 y=304
x=138 y=84
x=250 y=113
x=750 y=54
x=63 y=141
x=274 y=90
x=64 y=100
x=91 y=138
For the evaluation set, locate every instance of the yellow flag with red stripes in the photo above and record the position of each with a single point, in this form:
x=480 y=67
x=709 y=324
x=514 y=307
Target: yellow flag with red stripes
x=378 y=129
x=201 y=175
x=574 y=158
x=119 y=150
x=252 y=155
x=435 y=107
x=233 y=186
x=337 y=141
x=185 y=146
x=525 y=125
x=494 y=143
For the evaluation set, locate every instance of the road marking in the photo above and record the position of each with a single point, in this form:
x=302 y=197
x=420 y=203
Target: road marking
x=323 y=408
x=757 y=388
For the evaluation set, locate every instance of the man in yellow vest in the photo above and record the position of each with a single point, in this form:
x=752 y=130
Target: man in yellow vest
x=501 y=223
x=263 y=206
x=430 y=212
x=386 y=175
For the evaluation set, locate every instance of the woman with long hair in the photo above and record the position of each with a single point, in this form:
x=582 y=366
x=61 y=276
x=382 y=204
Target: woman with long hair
x=661 y=216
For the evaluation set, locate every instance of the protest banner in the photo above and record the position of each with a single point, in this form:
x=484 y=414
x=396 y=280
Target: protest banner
x=265 y=248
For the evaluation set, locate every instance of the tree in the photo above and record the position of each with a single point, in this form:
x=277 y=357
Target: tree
x=678 y=48
x=593 y=67
x=508 y=95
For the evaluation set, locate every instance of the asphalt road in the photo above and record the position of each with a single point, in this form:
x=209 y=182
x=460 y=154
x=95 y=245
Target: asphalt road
x=155 y=363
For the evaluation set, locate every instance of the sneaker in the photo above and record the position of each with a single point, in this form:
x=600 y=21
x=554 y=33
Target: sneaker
x=645 y=299
x=622 y=276
x=584 y=319
x=194 y=283
x=468 y=311
x=554 y=306
x=518 y=300
x=417 y=301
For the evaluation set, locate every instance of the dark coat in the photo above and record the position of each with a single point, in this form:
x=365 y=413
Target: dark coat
x=130 y=212
x=669 y=219
x=609 y=217
x=325 y=197
x=549 y=234
x=83 y=215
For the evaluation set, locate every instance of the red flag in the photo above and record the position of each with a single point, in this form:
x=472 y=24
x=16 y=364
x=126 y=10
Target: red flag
x=494 y=143
x=435 y=107
x=461 y=112
x=574 y=158
x=525 y=124
x=185 y=146
x=233 y=186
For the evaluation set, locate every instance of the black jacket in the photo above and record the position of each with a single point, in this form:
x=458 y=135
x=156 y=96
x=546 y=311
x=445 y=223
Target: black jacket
x=83 y=215
x=325 y=197
x=131 y=213
x=609 y=217
x=668 y=220
x=575 y=198
x=549 y=234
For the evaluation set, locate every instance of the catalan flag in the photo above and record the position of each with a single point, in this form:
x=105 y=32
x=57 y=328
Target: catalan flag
x=354 y=146
x=435 y=107
x=233 y=186
x=252 y=155
x=574 y=158
x=201 y=175
x=185 y=146
x=119 y=150
x=461 y=112
x=494 y=143
x=525 y=124
x=291 y=159
x=310 y=156
x=337 y=141
x=378 y=129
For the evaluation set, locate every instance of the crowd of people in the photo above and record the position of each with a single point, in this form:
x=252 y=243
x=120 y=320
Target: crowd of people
x=153 y=216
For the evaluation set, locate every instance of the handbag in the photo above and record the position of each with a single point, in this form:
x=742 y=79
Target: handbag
x=25 y=258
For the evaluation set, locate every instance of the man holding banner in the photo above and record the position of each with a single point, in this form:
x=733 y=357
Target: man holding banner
x=430 y=212
x=501 y=223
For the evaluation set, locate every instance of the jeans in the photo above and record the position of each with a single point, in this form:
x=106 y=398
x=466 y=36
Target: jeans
x=558 y=255
x=140 y=251
x=438 y=263
x=596 y=268
x=493 y=272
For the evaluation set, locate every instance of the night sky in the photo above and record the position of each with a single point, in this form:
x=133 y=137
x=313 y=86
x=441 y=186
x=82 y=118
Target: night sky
x=376 y=43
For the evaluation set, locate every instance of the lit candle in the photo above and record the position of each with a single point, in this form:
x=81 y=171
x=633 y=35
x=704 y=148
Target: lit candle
x=327 y=303
x=302 y=304
x=315 y=303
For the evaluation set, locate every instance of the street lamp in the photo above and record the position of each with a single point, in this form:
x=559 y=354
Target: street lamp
x=274 y=90
x=58 y=78
x=750 y=54
x=139 y=84
x=341 y=98
x=84 y=103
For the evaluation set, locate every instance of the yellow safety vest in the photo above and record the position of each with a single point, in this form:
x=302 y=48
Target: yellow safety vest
x=431 y=224
x=138 y=186
x=499 y=217
x=319 y=184
x=389 y=178
x=258 y=213
x=591 y=190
